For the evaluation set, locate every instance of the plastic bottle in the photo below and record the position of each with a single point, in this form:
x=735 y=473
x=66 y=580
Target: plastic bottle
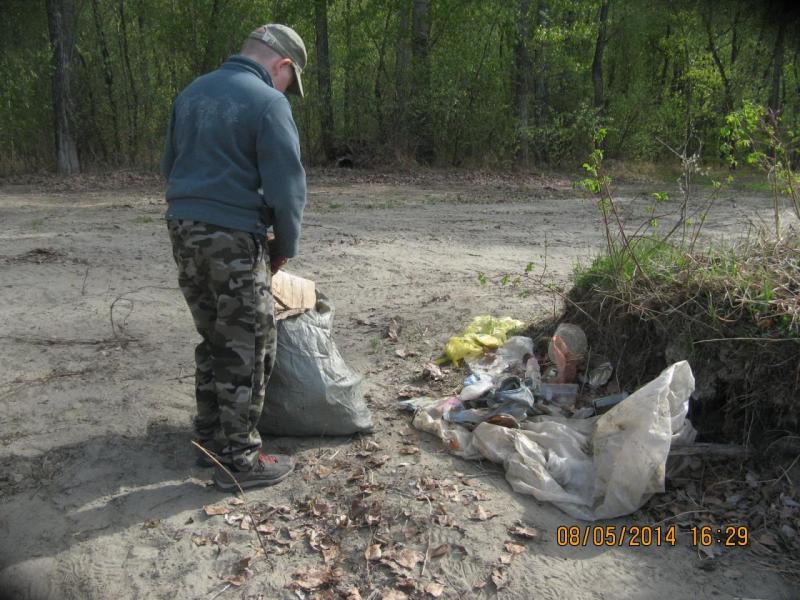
x=574 y=338
x=533 y=374
x=567 y=348
x=562 y=394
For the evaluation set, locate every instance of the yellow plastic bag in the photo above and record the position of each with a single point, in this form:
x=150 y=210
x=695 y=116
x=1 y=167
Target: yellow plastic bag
x=484 y=332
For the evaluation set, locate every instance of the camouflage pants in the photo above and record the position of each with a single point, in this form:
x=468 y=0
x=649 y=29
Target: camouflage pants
x=225 y=277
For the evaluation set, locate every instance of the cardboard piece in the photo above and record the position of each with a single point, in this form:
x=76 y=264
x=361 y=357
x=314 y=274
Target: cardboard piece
x=294 y=295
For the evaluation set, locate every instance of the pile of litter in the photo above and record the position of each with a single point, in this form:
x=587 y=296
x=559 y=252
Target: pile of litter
x=594 y=457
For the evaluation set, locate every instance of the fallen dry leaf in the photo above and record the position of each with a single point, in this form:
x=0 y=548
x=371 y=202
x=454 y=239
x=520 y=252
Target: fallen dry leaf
x=266 y=529
x=529 y=533
x=378 y=461
x=410 y=392
x=352 y=594
x=479 y=585
x=370 y=488
x=233 y=518
x=315 y=578
x=432 y=371
x=393 y=595
x=373 y=552
x=442 y=550
x=319 y=507
x=330 y=554
x=499 y=579
x=393 y=330
x=513 y=548
x=481 y=514
x=310 y=580
x=408 y=558
x=471 y=496
x=409 y=450
x=235 y=501
x=199 y=540
x=448 y=521
x=213 y=510
x=505 y=558
x=341 y=521
x=407 y=583
x=356 y=476
x=434 y=589
x=235 y=580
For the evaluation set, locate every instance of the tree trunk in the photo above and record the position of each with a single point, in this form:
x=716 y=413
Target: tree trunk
x=522 y=80
x=61 y=19
x=734 y=38
x=93 y=111
x=401 y=75
x=207 y=65
x=108 y=76
x=133 y=95
x=542 y=90
x=420 y=51
x=774 y=102
x=324 y=78
x=662 y=85
x=381 y=71
x=597 y=63
x=688 y=95
x=348 y=81
x=471 y=95
x=712 y=48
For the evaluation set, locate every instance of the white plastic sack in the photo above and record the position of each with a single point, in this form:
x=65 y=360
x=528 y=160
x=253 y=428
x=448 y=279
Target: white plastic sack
x=311 y=390
x=597 y=468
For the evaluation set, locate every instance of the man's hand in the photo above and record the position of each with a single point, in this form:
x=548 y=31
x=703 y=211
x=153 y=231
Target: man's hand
x=276 y=262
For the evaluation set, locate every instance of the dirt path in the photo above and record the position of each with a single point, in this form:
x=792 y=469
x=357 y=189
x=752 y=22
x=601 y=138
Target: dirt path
x=100 y=496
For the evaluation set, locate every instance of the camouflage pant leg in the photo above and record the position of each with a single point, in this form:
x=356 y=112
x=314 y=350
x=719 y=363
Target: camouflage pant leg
x=202 y=305
x=225 y=278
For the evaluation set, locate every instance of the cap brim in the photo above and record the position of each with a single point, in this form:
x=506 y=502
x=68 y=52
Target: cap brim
x=296 y=86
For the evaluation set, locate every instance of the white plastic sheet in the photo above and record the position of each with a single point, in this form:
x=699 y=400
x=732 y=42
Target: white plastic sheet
x=597 y=468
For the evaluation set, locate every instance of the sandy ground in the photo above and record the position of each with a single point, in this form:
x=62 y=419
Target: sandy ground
x=99 y=491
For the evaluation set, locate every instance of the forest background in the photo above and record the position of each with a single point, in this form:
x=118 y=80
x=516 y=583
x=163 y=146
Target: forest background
x=88 y=84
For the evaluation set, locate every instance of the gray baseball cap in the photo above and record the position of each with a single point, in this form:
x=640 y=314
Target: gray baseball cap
x=286 y=42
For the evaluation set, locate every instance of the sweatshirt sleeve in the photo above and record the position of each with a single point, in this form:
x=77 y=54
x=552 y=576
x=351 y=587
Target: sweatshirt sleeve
x=168 y=158
x=283 y=178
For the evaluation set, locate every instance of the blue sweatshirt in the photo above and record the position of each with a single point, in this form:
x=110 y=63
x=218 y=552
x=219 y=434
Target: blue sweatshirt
x=231 y=133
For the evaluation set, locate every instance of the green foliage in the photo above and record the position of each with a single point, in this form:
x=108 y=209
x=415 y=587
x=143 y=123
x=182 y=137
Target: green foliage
x=763 y=139
x=649 y=258
x=663 y=78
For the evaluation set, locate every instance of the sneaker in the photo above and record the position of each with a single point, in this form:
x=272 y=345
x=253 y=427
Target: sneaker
x=268 y=470
x=212 y=446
